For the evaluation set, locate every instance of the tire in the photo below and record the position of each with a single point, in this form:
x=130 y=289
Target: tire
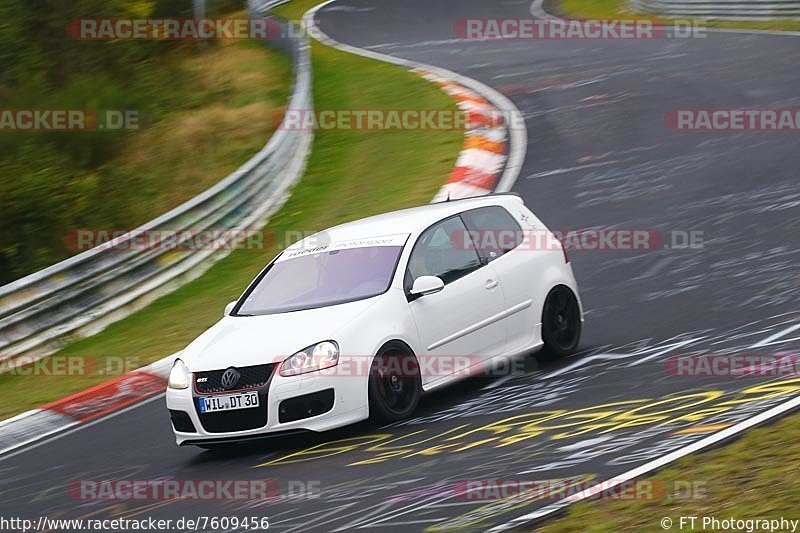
x=561 y=322
x=395 y=385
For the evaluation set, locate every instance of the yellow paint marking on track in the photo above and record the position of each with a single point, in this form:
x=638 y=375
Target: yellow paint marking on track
x=702 y=429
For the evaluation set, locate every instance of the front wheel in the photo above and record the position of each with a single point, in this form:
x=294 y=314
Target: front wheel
x=395 y=385
x=561 y=322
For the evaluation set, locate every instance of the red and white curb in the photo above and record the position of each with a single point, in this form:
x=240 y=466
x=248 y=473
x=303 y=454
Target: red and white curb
x=496 y=140
x=483 y=156
x=490 y=160
x=85 y=406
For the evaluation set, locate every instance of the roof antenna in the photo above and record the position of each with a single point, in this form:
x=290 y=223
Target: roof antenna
x=448 y=196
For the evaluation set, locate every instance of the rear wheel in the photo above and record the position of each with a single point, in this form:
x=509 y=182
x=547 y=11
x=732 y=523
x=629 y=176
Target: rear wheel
x=395 y=385
x=561 y=322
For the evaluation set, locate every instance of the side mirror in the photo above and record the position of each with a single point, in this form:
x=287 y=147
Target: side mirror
x=424 y=285
x=229 y=308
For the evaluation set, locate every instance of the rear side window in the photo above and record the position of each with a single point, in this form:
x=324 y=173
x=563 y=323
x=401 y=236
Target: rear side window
x=437 y=253
x=493 y=230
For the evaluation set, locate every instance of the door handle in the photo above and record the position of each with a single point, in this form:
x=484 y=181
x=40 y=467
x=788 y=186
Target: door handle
x=491 y=283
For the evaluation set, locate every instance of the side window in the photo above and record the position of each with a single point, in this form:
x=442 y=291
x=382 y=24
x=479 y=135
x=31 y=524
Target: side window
x=494 y=231
x=437 y=253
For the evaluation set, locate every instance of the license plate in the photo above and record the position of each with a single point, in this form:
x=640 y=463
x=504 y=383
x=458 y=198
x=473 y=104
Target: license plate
x=230 y=402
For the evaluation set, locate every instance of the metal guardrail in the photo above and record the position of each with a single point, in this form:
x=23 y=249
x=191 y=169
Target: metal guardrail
x=722 y=9
x=88 y=291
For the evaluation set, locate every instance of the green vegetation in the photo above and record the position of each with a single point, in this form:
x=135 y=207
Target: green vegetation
x=620 y=9
x=753 y=478
x=205 y=107
x=351 y=174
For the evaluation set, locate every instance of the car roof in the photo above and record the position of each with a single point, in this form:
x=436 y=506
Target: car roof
x=406 y=221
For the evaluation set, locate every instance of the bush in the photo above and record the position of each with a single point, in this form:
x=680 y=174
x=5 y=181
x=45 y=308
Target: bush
x=53 y=181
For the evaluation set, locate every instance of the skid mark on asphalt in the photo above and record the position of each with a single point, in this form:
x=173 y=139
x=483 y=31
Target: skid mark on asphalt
x=668 y=413
x=542 y=442
x=625 y=448
x=536 y=445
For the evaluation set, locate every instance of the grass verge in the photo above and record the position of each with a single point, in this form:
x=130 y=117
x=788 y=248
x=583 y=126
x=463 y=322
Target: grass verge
x=242 y=87
x=620 y=9
x=752 y=478
x=350 y=174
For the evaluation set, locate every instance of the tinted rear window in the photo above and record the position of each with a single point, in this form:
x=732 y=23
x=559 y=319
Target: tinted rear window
x=493 y=229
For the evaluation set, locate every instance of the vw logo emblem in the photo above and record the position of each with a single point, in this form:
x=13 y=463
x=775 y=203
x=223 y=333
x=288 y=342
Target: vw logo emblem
x=230 y=378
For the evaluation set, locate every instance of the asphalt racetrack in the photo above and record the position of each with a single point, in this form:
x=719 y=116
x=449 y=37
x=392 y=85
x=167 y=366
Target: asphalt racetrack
x=599 y=156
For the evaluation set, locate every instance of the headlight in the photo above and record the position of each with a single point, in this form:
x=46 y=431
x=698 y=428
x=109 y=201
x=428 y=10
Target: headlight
x=316 y=357
x=179 y=375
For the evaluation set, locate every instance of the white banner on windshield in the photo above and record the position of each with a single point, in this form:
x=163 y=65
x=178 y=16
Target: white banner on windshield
x=316 y=245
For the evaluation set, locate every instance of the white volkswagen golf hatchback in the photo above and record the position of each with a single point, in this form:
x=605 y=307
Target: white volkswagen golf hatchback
x=359 y=320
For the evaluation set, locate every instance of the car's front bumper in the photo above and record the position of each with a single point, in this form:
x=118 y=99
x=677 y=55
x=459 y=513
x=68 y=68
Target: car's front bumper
x=349 y=405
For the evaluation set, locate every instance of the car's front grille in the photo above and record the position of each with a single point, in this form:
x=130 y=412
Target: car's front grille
x=251 y=377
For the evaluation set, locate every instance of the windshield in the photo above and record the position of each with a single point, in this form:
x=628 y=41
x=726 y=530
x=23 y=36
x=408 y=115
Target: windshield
x=322 y=279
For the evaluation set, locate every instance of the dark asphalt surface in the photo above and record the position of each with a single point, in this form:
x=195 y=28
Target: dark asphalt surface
x=599 y=155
